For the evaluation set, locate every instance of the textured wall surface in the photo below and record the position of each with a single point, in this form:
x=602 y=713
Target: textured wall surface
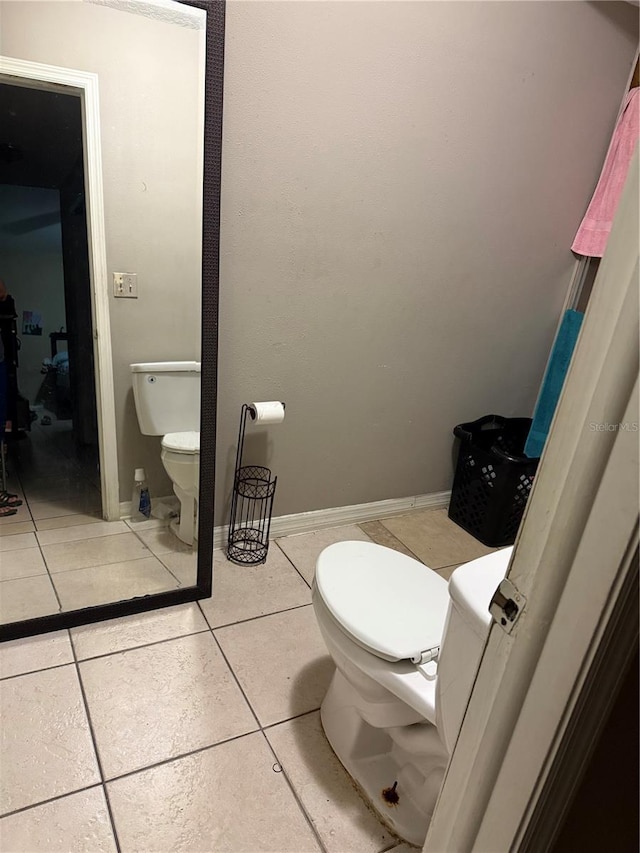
x=401 y=186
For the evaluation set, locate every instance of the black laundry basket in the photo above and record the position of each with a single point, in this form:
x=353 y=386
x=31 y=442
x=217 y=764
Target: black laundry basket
x=493 y=478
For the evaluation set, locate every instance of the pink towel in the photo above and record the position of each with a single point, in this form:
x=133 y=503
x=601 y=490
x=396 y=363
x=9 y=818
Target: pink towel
x=593 y=233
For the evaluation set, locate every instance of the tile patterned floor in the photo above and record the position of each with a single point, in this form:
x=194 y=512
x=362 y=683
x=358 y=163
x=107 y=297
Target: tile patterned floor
x=57 y=553
x=74 y=561
x=194 y=728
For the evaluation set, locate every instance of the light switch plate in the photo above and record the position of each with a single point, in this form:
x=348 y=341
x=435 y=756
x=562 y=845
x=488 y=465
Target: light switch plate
x=125 y=284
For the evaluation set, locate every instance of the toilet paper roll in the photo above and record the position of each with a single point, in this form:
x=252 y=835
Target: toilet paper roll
x=269 y=412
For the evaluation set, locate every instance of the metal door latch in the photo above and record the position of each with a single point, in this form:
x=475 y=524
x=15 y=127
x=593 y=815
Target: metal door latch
x=506 y=605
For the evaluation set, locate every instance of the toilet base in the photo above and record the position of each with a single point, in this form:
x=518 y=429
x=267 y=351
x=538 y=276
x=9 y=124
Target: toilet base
x=186 y=527
x=411 y=755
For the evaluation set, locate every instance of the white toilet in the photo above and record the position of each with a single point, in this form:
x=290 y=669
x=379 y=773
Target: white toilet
x=167 y=396
x=406 y=646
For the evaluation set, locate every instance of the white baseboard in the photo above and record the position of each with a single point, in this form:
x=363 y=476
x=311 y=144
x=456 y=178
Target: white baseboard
x=320 y=519
x=306 y=522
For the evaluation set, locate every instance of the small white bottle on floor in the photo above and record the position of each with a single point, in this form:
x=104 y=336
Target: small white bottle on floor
x=140 y=499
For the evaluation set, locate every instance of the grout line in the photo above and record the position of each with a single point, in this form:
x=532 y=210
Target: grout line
x=393 y=536
x=282 y=551
x=178 y=757
x=261 y=729
x=23 y=577
x=289 y=719
x=46 y=565
x=34 y=671
x=142 y=645
x=94 y=741
x=7 y=525
x=296 y=797
x=97 y=518
x=51 y=800
x=111 y=817
x=261 y=616
x=97 y=565
x=232 y=671
x=174 y=576
x=179 y=636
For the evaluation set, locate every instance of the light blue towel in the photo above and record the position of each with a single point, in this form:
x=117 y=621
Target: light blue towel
x=553 y=381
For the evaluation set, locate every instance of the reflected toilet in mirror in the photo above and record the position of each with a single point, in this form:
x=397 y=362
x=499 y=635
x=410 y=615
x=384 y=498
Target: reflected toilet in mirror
x=167 y=397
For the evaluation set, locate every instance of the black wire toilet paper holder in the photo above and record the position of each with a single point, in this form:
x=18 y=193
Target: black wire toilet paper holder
x=251 y=504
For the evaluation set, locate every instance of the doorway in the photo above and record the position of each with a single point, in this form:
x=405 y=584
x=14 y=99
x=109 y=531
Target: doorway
x=53 y=444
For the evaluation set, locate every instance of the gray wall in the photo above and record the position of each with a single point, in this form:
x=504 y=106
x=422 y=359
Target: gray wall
x=401 y=186
x=151 y=129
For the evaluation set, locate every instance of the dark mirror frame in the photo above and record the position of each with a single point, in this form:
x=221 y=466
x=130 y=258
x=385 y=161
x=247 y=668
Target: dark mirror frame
x=214 y=72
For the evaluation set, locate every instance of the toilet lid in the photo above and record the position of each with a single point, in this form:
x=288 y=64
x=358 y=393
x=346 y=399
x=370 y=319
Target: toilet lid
x=182 y=442
x=389 y=603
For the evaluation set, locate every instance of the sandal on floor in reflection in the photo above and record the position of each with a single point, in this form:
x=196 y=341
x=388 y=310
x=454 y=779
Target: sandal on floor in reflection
x=7 y=499
x=6 y=511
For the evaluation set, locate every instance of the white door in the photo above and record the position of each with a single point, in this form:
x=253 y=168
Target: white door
x=574 y=557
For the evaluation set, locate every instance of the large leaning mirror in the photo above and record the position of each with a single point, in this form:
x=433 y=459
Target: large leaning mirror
x=110 y=137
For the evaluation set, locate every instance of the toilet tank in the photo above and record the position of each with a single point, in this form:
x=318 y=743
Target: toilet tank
x=167 y=396
x=466 y=629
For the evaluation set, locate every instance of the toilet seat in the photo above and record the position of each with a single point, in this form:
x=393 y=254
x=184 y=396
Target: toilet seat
x=182 y=442
x=389 y=604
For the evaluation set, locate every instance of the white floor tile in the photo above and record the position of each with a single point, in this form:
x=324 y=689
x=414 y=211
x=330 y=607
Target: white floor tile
x=113 y=582
x=10 y=529
x=21 y=516
x=280 y=661
x=27 y=598
x=242 y=592
x=162 y=540
x=117 y=635
x=34 y=653
x=59 y=508
x=226 y=799
x=184 y=565
x=23 y=563
x=158 y=687
x=94 y=552
x=78 y=823
x=156 y=702
x=81 y=532
x=20 y=540
x=46 y=744
x=304 y=549
x=67 y=521
x=326 y=790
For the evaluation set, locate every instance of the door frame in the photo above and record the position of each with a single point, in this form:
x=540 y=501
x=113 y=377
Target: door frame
x=85 y=84
x=574 y=562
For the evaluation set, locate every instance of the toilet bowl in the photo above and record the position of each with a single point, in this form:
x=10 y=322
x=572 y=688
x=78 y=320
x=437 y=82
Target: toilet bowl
x=167 y=399
x=180 y=456
x=406 y=647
